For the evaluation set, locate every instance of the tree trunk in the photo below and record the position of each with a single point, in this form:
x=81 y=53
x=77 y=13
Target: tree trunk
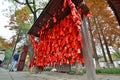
x=99 y=36
x=34 y=13
x=108 y=51
x=13 y=50
x=106 y=45
x=93 y=46
x=105 y=58
x=87 y=52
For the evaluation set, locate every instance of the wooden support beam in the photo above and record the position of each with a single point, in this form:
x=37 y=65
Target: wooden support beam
x=21 y=62
x=87 y=52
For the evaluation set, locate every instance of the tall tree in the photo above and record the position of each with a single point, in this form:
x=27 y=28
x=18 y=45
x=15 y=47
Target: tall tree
x=93 y=46
x=19 y=22
x=107 y=23
x=33 y=6
x=101 y=43
x=23 y=14
x=106 y=45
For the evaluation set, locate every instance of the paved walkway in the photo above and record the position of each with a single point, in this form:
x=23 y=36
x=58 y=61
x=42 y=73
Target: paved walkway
x=6 y=75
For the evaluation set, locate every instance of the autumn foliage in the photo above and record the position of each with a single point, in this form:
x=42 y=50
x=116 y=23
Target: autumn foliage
x=106 y=22
x=5 y=44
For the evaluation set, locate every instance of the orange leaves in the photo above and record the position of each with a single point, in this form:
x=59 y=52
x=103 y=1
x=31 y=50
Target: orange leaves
x=104 y=19
x=21 y=15
x=5 y=44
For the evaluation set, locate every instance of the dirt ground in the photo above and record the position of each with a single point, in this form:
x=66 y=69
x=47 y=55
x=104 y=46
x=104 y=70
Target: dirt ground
x=65 y=76
x=48 y=75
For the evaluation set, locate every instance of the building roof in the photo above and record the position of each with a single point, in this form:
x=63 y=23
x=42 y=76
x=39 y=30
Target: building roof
x=115 y=5
x=54 y=6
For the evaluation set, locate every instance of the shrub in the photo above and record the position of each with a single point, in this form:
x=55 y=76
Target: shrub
x=48 y=68
x=73 y=71
x=109 y=70
x=100 y=71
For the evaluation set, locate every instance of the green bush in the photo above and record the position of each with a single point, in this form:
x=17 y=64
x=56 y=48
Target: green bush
x=100 y=71
x=48 y=68
x=5 y=67
x=109 y=70
x=73 y=71
x=84 y=71
x=8 y=55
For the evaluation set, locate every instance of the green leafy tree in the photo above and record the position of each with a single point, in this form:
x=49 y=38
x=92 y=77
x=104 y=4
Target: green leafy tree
x=8 y=54
x=116 y=54
x=22 y=19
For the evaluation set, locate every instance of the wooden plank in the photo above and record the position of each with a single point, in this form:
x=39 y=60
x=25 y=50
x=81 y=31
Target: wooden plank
x=87 y=52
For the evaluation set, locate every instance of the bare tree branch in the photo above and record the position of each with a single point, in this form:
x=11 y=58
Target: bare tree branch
x=34 y=6
x=38 y=9
x=22 y=3
x=29 y=6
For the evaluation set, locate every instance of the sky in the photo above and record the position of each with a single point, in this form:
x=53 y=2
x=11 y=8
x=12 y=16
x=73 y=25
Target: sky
x=4 y=32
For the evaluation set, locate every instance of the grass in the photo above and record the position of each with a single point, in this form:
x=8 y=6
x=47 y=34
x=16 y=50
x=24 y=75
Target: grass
x=100 y=71
x=109 y=70
x=5 y=67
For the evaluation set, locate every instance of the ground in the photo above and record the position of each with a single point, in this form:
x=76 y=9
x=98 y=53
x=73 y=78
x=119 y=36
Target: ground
x=26 y=75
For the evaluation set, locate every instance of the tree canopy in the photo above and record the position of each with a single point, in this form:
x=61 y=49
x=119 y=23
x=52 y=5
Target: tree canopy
x=106 y=19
